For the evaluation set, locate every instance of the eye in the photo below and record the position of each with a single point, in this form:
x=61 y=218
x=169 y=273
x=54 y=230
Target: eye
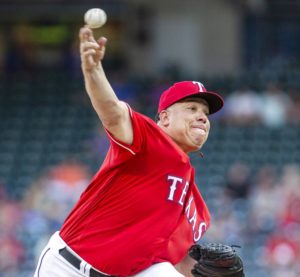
x=192 y=108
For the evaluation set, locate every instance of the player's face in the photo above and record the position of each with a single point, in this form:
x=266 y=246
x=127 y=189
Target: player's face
x=187 y=123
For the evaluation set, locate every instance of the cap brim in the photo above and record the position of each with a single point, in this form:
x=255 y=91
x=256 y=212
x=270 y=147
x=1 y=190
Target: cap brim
x=214 y=100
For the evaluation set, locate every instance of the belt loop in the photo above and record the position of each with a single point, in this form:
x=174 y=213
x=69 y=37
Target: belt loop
x=85 y=268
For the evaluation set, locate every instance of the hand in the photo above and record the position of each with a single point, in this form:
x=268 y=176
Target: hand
x=91 y=51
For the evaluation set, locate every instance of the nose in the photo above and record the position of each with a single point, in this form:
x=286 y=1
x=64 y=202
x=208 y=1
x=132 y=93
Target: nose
x=202 y=117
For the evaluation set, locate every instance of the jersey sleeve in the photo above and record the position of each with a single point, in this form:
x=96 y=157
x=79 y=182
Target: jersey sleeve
x=139 y=130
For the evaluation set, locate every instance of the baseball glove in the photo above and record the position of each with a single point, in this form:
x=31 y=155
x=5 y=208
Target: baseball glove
x=216 y=260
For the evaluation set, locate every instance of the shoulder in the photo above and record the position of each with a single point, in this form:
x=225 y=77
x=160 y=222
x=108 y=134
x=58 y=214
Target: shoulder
x=142 y=118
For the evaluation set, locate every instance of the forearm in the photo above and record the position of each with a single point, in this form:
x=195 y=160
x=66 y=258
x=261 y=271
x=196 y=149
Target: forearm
x=185 y=266
x=101 y=94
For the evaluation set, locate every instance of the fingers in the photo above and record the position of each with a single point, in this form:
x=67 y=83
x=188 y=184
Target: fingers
x=102 y=41
x=88 y=53
x=91 y=51
x=101 y=51
x=86 y=34
x=85 y=46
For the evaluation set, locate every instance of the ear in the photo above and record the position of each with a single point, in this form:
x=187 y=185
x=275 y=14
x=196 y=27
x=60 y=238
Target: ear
x=164 y=118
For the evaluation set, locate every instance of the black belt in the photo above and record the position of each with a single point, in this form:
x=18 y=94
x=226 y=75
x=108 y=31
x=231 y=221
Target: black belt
x=75 y=261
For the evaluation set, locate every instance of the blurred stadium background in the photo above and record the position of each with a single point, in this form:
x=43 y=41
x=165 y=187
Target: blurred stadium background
x=51 y=142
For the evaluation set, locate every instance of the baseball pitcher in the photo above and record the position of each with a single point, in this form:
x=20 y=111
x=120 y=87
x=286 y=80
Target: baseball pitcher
x=142 y=212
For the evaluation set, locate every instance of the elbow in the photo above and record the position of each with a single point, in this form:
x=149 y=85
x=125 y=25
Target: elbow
x=111 y=121
x=111 y=114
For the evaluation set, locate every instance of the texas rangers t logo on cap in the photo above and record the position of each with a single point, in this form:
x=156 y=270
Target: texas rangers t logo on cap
x=200 y=85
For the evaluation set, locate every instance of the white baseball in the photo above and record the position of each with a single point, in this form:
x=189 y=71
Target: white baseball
x=95 y=18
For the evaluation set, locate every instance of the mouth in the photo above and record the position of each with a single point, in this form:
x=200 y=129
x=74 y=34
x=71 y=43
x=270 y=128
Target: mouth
x=199 y=128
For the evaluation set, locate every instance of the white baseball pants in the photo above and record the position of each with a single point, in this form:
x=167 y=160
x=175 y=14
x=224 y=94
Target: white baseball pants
x=52 y=264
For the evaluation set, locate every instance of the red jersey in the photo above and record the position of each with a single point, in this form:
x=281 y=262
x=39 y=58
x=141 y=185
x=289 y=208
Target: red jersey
x=142 y=207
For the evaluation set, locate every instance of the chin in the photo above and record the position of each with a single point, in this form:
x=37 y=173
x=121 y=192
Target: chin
x=194 y=148
x=200 y=142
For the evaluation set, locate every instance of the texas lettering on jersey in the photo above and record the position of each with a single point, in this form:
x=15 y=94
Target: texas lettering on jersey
x=178 y=193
